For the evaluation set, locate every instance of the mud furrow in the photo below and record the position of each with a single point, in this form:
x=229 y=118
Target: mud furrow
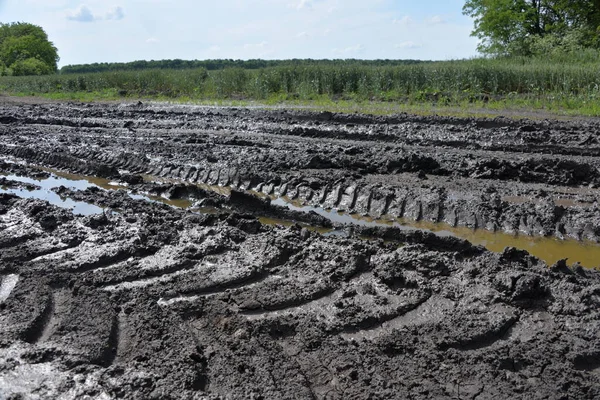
x=106 y=261
x=111 y=351
x=151 y=277
x=266 y=310
x=59 y=307
x=32 y=254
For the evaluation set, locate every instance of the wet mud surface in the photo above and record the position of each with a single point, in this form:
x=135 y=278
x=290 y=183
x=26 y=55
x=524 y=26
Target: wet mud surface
x=190 y=295
x=534 y=178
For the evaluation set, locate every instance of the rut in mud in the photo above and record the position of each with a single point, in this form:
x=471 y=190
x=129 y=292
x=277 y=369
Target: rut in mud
x=151 y=301
x=535 y=178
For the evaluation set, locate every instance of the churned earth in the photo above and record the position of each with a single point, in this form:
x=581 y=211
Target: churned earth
x=131 y=297
x=531 y=177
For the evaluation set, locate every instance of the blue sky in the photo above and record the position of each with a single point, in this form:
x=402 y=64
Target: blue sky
x=127 y=30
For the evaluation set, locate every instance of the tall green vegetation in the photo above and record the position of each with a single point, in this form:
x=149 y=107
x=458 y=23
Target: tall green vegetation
x=535 y=27
x=515 y=80
x=26 y=50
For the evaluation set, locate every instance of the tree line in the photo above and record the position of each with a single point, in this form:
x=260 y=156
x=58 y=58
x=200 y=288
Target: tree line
x=213 y=65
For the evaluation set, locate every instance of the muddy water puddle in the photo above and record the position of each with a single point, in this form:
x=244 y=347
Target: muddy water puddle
x=59 y=178
x=43 y=191
x=548 y=249
x=545 y=248
x=177 y=203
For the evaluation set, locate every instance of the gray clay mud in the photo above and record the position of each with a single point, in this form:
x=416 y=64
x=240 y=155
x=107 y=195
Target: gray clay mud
x=206 y=302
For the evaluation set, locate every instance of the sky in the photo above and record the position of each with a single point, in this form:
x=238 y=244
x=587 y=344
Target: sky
x=127 y=30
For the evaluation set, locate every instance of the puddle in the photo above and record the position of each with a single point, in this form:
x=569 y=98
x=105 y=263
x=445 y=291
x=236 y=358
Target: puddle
x=82 y=182
x=548 y=249
x=572 y=203
x=335 y=216
x=177 y=203
x=79 y=182
x=45 y=193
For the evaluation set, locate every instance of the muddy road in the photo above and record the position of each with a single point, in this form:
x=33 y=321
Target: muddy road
x=168 y=275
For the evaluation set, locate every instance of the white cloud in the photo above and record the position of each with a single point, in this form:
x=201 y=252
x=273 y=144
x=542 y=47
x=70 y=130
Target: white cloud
x=254 y=46
x=152 y=40
x=302 y=4
x=409 y=45
x=81 y=14
x=302 y=35
x=84 y=14
x=406 y=20
x=436 y=20
x=214 y=49
x=359 y=48
x=115 y=13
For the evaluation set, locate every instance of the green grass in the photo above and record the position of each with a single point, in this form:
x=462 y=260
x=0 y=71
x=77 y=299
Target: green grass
x=485 y=85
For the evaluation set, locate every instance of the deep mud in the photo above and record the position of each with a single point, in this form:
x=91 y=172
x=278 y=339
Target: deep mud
x=152 y=301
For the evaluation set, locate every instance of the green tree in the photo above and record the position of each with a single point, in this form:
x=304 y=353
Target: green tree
x=25 y=49
x=525 y=27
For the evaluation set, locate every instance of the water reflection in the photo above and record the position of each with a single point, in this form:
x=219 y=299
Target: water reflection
x=45 y=193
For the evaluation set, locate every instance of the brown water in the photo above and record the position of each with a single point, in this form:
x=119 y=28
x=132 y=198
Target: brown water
x=548 y=249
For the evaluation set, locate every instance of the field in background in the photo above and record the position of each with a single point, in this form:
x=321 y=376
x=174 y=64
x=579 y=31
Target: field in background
x=570 y=86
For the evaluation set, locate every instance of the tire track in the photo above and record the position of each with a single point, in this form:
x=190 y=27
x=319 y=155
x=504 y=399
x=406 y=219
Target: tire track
x=58 y=307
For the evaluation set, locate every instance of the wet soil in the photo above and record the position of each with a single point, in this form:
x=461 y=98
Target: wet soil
x=155 y=301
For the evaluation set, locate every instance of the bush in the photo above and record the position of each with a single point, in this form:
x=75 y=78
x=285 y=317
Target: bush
x=31 y=66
